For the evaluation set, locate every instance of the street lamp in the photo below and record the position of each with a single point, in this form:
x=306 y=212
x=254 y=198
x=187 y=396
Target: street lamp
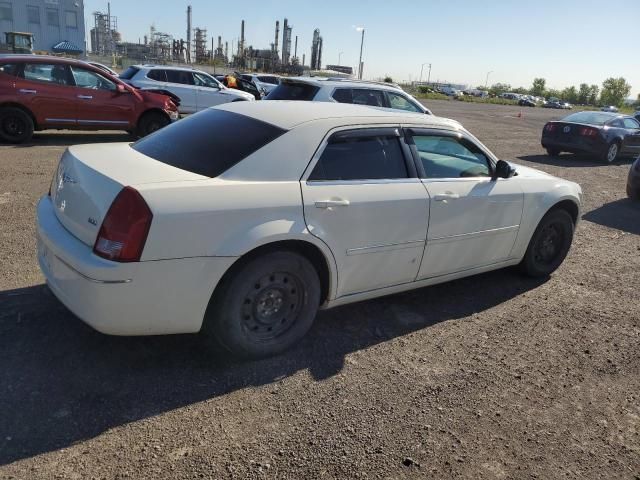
x=339 y=57
x=486 y=81
x=360 y=29
x=421 y=68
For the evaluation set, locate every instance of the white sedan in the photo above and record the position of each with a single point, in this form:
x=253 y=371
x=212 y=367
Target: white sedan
x=244 y=219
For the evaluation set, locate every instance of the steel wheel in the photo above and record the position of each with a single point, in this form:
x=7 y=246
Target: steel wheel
x=15 y=125
x=271 y=306
x=549 y=244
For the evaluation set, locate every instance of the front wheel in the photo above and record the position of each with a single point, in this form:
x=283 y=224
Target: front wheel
x=16 y=126
x=266 y=305
x=549 y=244
x=150 y=122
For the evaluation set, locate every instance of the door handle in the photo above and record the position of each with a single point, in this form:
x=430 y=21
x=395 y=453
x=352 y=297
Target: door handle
x=443 y=197
x=332 y=203
x=26 y=90
x=85 y=97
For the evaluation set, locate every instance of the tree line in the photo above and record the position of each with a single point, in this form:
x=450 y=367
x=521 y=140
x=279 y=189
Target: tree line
x=614 y=91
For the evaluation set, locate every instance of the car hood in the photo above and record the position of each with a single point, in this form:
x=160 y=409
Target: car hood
x=528 y=172
x=237 y=93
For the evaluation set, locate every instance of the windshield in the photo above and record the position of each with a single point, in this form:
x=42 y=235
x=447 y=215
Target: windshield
x=591 y=118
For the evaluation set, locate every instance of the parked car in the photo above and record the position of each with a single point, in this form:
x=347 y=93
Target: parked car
x=104 y=68
x=633 y=180
x=602 y=134
x=341 y=90
x=315 y=205
x=196 y=89
x=266 y=83
x=40 y=92
x=636 y=115
x=527 y=102
x=558 y=104
x=237 y=82
x=609 y=108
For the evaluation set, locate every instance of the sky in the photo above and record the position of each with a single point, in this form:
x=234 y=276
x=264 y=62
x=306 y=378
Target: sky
x=567 y=42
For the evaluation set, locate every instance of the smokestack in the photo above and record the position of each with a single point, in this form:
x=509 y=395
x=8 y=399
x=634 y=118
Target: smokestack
x=303 y=59
x=295 y=50
x=241 y=45
x=189 y=34
x=226 y=50
x=277 y=35
x=219 y=42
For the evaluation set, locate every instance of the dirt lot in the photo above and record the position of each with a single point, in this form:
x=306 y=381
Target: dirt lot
x=495 y=376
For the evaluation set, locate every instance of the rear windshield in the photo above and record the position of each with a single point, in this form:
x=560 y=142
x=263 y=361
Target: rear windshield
x=208 y=143
x=590 y=118
x=293 y=91
x=129 y=73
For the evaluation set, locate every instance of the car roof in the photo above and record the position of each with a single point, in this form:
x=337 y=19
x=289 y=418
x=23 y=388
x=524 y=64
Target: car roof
x=168 y=67
x=44 y=59
x=288 y=114
x=343 y=82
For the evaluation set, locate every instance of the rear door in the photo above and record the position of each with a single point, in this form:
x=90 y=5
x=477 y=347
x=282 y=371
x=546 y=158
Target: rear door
x=99 y=104
x=48 y=91
x=363 y=199
x=474 y=219
x=181 y=83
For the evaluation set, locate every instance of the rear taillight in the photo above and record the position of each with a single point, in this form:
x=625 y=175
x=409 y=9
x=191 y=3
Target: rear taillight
x=125 y=227
x=549 y=127
x=588 y=132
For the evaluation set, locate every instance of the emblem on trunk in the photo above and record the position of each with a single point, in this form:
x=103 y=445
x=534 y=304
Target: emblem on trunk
x=566 y=129
x=68 y=179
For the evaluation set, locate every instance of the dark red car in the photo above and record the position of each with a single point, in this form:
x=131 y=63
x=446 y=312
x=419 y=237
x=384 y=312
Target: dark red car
x=41 y=92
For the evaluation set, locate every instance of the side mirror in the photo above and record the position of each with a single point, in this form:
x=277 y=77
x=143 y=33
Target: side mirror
x=504 y=170
x=120 y=88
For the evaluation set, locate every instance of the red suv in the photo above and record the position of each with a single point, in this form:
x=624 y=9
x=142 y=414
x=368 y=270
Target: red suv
x=40 y=92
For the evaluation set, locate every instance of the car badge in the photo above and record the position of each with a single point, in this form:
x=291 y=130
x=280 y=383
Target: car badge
x=93 y=221
x=68 y=179
x=566 y=129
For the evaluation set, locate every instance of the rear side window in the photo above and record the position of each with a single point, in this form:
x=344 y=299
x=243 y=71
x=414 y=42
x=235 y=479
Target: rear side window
x=293 y=91
x=374 y=98
x=9 y=69
x=361 y=158
x=342 y=95
x=179 y=76
x=129 y=73
x=51 y=73
x=157 y=75
x=208 y=143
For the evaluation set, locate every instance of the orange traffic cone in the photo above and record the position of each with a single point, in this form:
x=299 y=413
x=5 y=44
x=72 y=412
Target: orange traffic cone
x=520 y=114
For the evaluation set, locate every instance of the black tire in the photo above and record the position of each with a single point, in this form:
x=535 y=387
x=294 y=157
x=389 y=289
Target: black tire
x=553 y=152
x=265 y=306
x=549 y=244
x=151 y=122
x=16 y=126
x=612 y=152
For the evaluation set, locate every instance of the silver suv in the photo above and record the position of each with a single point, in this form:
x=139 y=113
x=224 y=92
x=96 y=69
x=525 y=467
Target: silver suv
x=342 y=90
x=196 y=89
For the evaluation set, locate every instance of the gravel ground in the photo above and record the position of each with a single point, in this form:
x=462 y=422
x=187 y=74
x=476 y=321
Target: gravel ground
x=494 y=376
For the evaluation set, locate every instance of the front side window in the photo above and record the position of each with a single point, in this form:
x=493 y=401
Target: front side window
x=374 y=98
x=450 y=157
x=631 y=123
x=87 y=79
x=53 y=19
x=616 y=123
x=71 y=19
x=33 y=14
x=42 y=72
x=5 y=11
x=361 y=158
x=399 y=102
x=203 y=80
x=179 y=76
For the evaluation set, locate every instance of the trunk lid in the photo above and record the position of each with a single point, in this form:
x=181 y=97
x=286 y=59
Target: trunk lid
x=89 y=177
x=567 y=132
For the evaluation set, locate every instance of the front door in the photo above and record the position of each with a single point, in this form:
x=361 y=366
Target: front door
x=474 y=219
x=362 y=198
x=99 y=104
x=208 y=91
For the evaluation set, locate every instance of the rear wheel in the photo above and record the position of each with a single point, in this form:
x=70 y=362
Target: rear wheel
x=553 y=152
x=612 y=152
x=151 y=122
x=265 y=306
x=549 y=244
x=16 y=126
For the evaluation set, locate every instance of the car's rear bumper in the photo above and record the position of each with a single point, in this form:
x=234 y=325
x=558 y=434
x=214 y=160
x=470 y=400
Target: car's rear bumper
x=141 y=298
x=593 y=147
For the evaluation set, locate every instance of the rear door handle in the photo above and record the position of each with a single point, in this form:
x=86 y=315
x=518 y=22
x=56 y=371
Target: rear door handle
x=26 y=90
x=85 y=97
x=443 y=197
x=339 y=202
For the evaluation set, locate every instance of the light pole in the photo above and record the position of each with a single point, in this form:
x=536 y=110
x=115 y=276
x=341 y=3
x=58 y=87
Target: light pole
x=486 y=81
x=339 y=57
x=421 y=69
x=360 y=29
